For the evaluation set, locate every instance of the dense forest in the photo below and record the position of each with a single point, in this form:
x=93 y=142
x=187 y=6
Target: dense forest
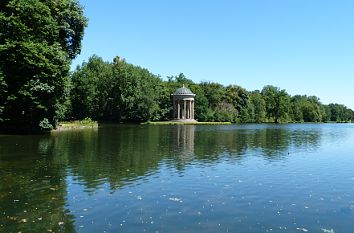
x=122 y=92
x=40 y=38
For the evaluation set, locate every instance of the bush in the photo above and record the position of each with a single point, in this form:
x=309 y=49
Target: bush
x=44 y=125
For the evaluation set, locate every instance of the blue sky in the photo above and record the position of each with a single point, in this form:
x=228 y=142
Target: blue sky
x=303 y=46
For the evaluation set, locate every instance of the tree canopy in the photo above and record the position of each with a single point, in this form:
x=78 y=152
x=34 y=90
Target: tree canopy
x=124 y=92
x=38 y=40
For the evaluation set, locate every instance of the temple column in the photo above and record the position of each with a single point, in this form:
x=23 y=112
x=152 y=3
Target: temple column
x=192 y=109
x=178 y=110
x=184 y=109
x=189 y=110
x=174 y=109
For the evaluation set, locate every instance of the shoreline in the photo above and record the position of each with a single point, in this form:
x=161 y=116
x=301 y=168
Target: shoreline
x=78 y=125
x=71 y=125
x=184 y=123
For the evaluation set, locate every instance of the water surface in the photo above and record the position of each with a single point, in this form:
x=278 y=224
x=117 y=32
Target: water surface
x=133 y=178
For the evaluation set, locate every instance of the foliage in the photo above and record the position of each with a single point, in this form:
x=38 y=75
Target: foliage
x=120 y=91
x=116 y=91
x=277 y=103
x=257 y=107
x=3 y=90
x=38 y=39
x=87 y=121
x=90 y=86
x=45 y=125
x=338 y=113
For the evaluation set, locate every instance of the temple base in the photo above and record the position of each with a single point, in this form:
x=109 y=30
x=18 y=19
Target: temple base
x=184 y=120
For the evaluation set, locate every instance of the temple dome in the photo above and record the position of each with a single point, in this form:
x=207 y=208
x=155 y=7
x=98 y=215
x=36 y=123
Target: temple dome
x=183 y=91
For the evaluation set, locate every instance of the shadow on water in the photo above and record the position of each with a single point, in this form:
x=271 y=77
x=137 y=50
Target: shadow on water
x=34 y=169
x=32 y=186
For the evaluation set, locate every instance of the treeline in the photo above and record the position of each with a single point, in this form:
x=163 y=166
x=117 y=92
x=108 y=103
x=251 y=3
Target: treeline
x=38 y=41
x=122 y=92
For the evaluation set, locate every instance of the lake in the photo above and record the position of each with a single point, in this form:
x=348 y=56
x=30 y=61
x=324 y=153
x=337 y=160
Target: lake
x=180 y=178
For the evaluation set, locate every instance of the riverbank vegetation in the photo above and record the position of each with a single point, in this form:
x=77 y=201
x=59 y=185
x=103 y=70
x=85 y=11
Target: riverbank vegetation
x=122 y=92
x=85 y=123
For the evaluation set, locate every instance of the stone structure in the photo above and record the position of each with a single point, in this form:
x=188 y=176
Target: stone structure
x=183 y=104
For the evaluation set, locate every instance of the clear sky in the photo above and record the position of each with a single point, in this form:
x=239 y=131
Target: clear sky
x=303 y=46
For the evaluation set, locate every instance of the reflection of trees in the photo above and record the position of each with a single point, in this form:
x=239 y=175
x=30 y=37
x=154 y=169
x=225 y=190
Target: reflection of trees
x=33 y=169
x=117 y=154
x=272 y=142
x=122 y=154
x=32 y=186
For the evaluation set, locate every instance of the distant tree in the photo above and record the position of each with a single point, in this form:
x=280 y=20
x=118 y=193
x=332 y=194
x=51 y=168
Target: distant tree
x=313 y=110
x=339 y=113
x=258 y=109
x=164 y=90
x=296 y=110
x=138 y=92
x=117 y=91
x=277 y=103
x=181 y=79
x=120 y=91
x=38 y=40
x=202 y=110
x=214 y=92
x=225 y=111
x=239 y=98
x=91 y=83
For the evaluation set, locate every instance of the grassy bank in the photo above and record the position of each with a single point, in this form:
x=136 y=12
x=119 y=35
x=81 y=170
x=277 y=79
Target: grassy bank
x=86 y=123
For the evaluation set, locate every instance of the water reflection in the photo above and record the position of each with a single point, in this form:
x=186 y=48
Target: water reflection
x=34 y=171
x=121 y=155
x=184 y=140
x=32 y=186
x=271 y=142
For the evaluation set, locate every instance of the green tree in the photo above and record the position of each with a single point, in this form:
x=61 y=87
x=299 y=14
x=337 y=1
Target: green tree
x=313 y=110
x=258 y=109
x=91 y=83
x=3 y=90
x=297 y=104
x=339 y=113
x=38 y=39
x=165 y=108
x=277 y=103
x=307 y=109
x=237 y=96
x=138 y=89
x=214 y=92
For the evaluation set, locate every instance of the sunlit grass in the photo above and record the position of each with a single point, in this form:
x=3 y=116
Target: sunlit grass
x=85 y=123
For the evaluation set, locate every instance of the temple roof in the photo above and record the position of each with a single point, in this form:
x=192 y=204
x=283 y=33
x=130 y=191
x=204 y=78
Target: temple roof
x=183 y=91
